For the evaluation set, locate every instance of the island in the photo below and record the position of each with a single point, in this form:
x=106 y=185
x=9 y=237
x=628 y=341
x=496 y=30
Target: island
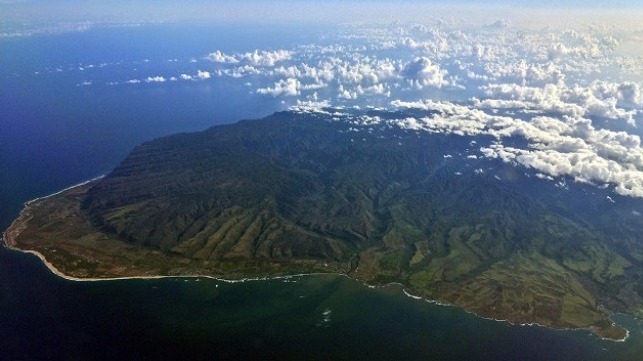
x=311 y=192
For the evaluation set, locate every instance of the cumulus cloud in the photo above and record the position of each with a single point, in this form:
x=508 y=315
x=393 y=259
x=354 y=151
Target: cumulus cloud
x=553 y=88
x=308 y=106
x=525 y=73
x=499 y=24
x=570 y=146
x=600 y=99
x=266 y=58
x=584 y=167
x=240 y=71
x=201 y=74
x=219 y=57
x=155 y=79
x=626 y=93
x=286 y=87
x=255 y=58
x=497 y=70
x=422 y=72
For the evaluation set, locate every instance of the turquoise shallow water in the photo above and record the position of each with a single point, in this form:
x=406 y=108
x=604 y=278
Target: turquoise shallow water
x=305 y=317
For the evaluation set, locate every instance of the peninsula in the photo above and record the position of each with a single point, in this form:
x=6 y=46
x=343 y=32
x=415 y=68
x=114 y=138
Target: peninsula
x=301 y=193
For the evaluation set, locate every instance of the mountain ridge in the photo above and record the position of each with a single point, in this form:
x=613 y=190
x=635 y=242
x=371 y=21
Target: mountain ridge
x=297 y=192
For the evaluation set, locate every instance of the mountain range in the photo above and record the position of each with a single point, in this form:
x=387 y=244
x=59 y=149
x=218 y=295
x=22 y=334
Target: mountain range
x=299 y=192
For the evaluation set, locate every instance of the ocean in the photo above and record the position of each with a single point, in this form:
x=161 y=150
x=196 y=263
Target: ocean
x=56 y=132
x=321 y=317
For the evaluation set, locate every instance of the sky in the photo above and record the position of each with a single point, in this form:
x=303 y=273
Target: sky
x=278 y=10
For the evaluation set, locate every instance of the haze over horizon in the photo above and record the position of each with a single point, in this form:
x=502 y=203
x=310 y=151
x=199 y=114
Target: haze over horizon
x=306 y=11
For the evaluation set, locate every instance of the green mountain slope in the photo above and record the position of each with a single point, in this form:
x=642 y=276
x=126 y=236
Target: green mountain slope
x=305 y=193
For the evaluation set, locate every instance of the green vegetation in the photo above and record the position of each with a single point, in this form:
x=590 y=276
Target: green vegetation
x=295 y=193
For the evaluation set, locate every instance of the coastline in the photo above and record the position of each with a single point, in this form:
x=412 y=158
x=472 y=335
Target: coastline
x=65 y=190
x=58 y=273
x=532 y=324
x=4 y=243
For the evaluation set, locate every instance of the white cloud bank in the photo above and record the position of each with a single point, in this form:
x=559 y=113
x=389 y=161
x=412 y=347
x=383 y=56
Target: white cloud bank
x=286 y=87
x=571 y=93
x=422 y=72
x=567 y=146
x=155 y=79
x=255 y=58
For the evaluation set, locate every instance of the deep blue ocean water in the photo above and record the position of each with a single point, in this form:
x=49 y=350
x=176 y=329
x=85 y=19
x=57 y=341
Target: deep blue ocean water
x=330 y=317
x=54 y=134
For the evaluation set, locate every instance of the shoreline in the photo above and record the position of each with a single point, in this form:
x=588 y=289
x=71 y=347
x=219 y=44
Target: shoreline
x=3 y=240
x=60 y=274
x=65 y=190
x=57 y=272
x=530 y=324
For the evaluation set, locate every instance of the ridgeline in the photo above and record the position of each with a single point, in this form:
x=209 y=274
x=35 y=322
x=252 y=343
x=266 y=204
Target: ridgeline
x=304 y=193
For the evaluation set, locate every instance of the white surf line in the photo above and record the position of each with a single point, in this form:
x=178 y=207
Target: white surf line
x=27 y=203
x=435 y=302
x=65 y=190
x=57 y=272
